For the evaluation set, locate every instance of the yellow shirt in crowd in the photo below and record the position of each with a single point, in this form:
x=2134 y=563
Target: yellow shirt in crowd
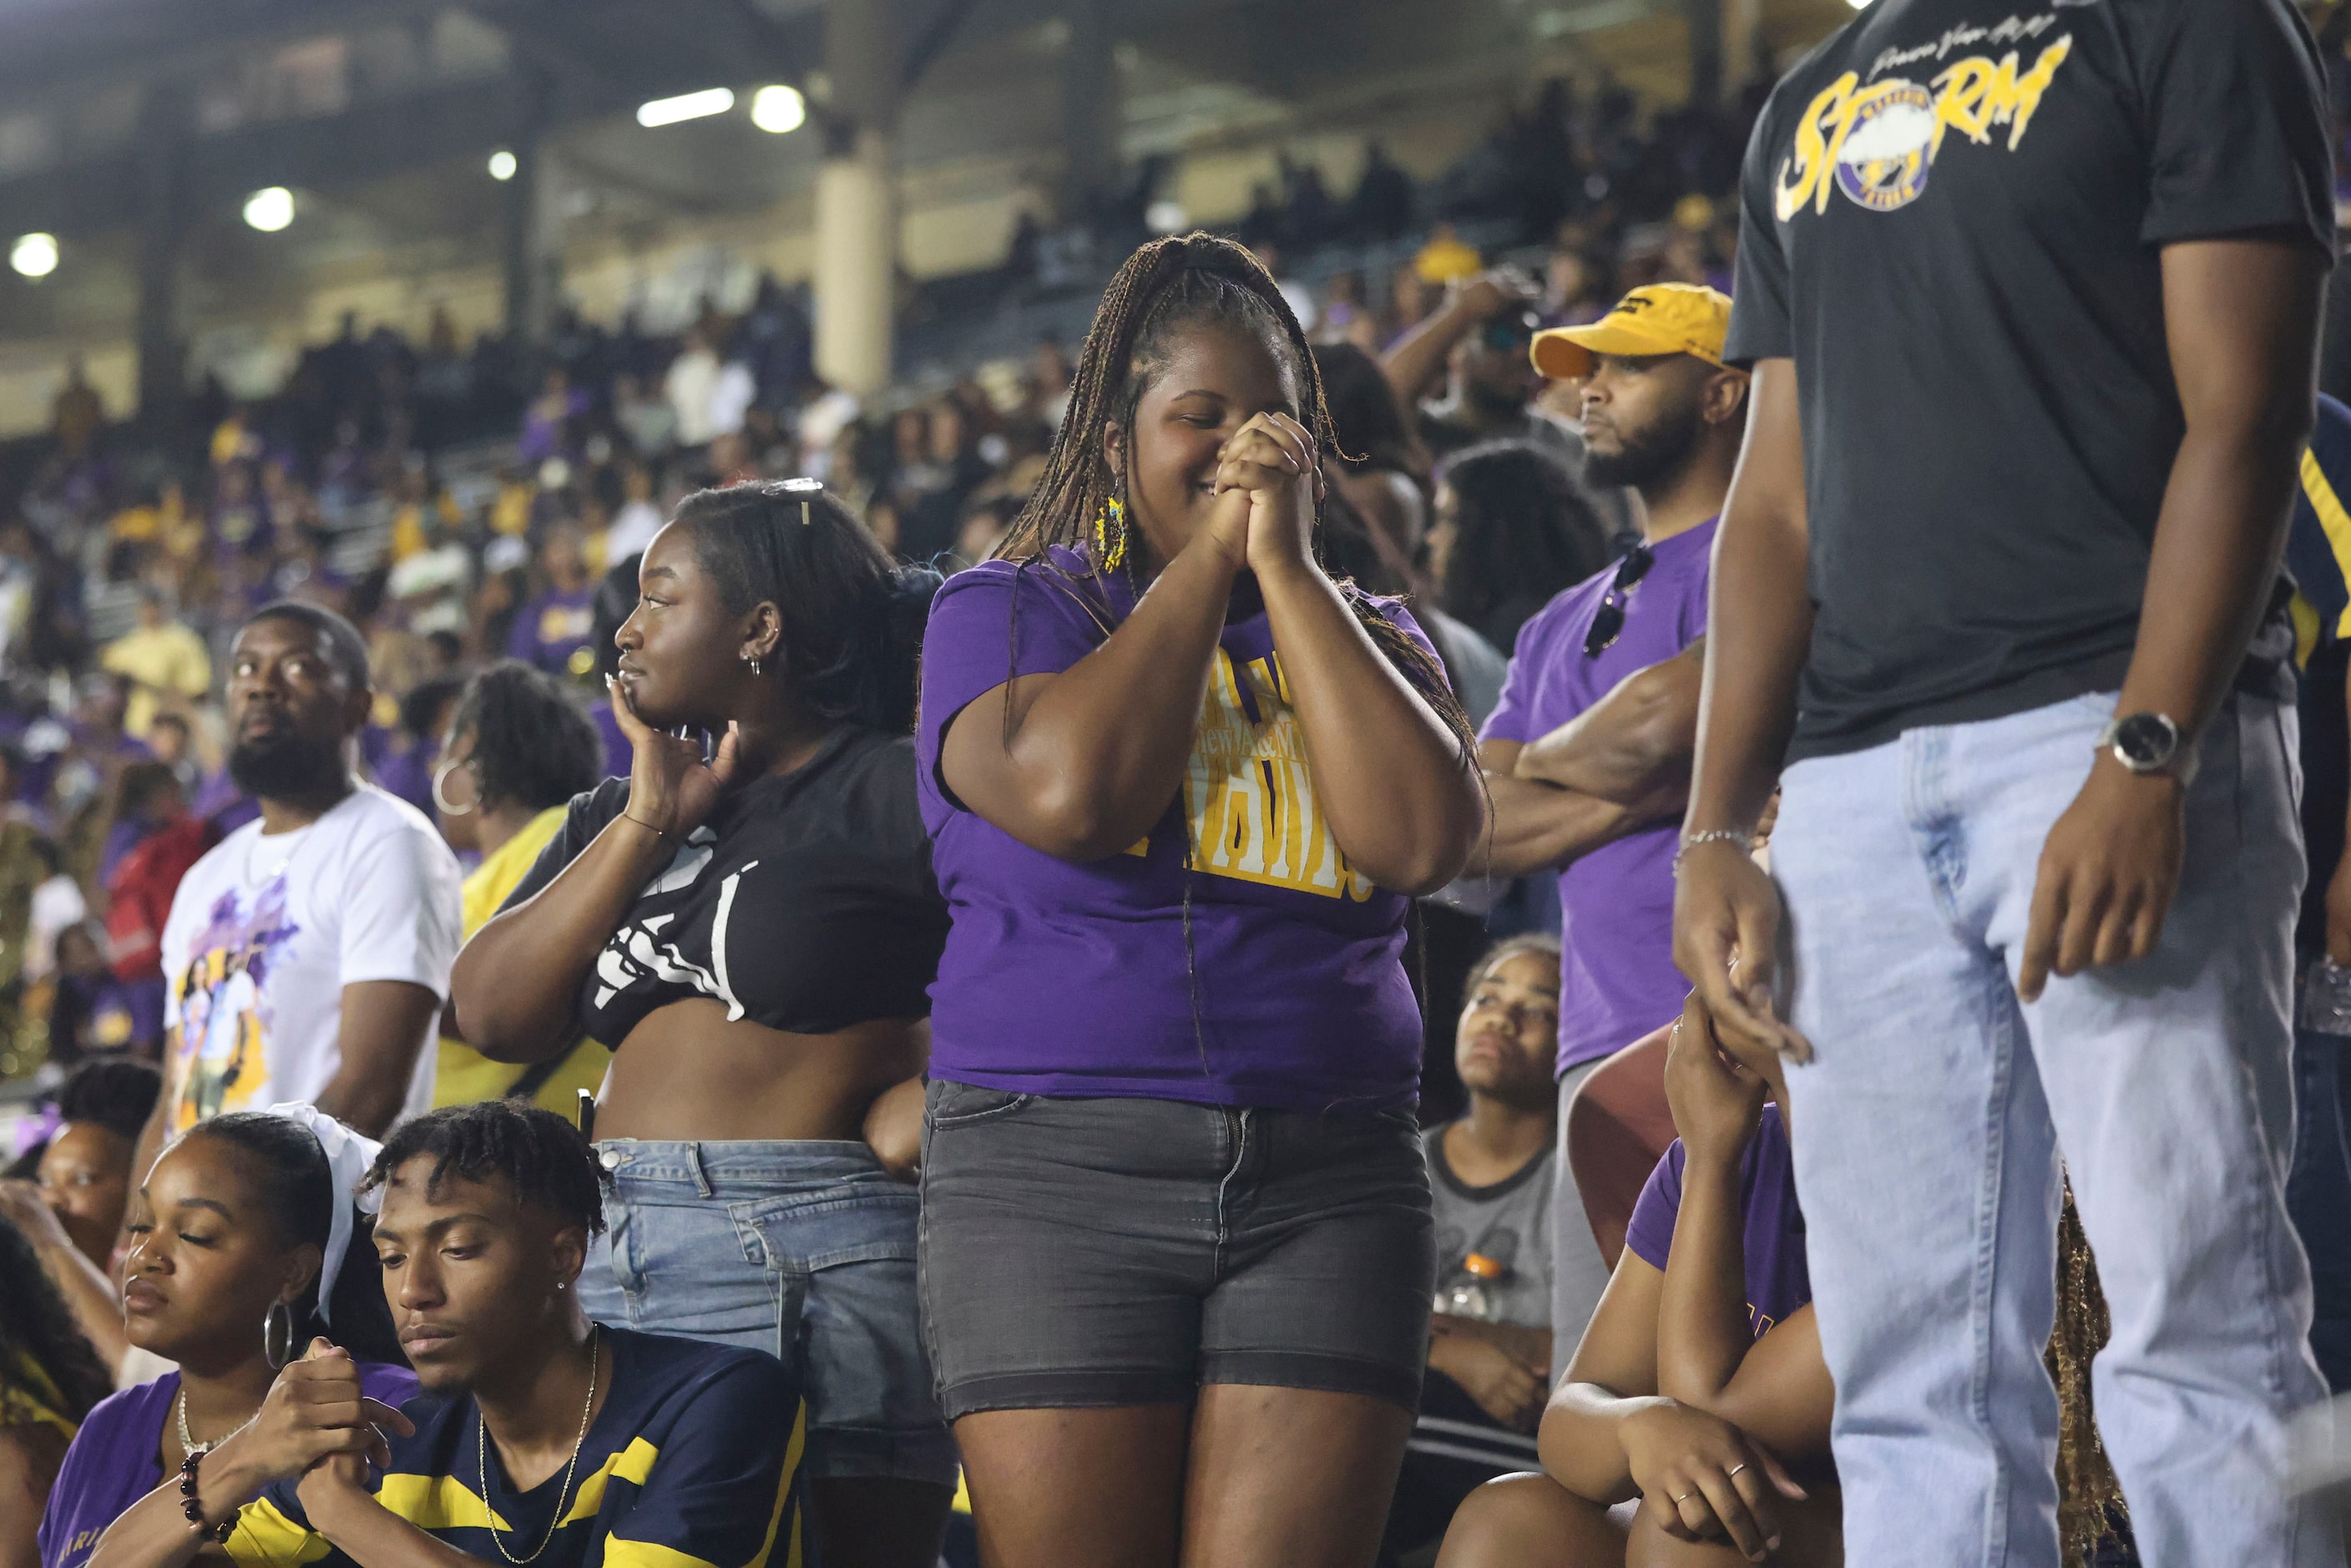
x=465 y=1075
x=165 y=659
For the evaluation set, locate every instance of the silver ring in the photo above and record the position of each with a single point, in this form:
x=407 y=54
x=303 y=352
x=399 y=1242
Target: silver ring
x=1684 y=1498
x=1732 y=1472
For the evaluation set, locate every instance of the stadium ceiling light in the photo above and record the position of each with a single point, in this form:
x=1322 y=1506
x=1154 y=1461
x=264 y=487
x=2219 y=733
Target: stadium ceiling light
x=686 y=106
x=777 y=109
x=502 y=164
x=34 y=255
x=270 y=209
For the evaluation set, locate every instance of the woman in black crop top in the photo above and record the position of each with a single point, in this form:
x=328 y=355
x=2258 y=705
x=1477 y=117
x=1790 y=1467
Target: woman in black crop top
x=752 y=928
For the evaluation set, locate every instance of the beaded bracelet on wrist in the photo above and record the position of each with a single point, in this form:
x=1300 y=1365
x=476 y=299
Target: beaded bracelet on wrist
x=194 y=1506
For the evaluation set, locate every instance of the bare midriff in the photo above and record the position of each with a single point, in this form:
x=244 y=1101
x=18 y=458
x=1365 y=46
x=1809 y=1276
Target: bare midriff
x=686 y=1072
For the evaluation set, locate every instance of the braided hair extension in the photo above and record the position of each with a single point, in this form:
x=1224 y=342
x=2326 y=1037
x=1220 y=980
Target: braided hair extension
x=1168 y=285
x=2089 y=1499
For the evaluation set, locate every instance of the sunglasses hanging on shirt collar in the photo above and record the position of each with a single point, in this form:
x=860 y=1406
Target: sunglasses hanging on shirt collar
x=1608 y=620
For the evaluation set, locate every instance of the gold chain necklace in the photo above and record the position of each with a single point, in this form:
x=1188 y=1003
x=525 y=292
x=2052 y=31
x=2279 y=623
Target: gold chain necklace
x=482 y=1459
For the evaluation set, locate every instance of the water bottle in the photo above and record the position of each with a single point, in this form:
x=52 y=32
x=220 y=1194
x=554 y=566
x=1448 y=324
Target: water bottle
x=2326 y=999
x=1466 y=1296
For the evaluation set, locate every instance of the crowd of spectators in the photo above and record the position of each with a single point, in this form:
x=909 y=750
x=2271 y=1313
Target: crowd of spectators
x=462 y=501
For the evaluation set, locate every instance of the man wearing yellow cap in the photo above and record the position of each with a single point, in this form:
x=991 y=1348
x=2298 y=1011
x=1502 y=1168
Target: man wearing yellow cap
x=1586 y=750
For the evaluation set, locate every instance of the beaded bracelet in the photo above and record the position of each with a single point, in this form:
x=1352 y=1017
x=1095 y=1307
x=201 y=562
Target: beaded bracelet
x=194 y=1506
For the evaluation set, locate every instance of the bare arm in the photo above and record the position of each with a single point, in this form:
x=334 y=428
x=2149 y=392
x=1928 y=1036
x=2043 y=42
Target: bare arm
x=1400 y=793
x=1416 y=362
x=1403 y=802
x=363 y=1530
x=2240 y=318
x=1759 y=632
x=1614 y=1376
x=1633 y=746
x=516 y=986
x=385 y=1024
x=159 y=1121
x=1537 y=825
x=1081 y=764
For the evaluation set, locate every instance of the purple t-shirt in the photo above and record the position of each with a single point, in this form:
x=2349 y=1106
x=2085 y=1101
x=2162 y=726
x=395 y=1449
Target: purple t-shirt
x=112 y=1463
x=553 y=627
x=1777 y=1281
x=1617 y=979
x=1062 y=979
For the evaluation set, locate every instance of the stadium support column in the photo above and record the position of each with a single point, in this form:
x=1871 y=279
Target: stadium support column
x=1742 y=40
x=1092 y=112
x=856 y=198
x=1704 y=18
x=534 y=253
x=166 y=129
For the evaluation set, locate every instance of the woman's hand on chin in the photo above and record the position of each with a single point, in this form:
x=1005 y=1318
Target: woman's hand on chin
x=671 y=789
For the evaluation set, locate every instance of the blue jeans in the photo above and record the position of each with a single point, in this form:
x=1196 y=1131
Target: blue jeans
x=804 y=1250
x=1929 y=1126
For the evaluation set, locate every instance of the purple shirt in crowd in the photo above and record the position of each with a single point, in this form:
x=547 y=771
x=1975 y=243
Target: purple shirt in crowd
x=553 y=627
x=1777 y=1282
x=1616 y=979
x=113 y=1461
x=1062 y=979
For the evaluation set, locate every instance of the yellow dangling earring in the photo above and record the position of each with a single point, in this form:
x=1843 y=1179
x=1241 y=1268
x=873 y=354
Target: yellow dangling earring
x=1110 y=534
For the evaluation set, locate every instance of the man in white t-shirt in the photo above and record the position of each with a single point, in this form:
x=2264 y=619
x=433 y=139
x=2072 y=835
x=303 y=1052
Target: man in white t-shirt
x=307 y=954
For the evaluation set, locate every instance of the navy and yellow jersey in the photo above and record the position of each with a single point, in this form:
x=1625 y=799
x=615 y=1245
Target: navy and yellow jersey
x=2318 y=546
x=690 y=1464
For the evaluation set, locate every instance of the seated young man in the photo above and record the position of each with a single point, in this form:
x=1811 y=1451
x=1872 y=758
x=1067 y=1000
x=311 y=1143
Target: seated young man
x=1490 y=1176
x=1699 y=1390
x=539 y=1436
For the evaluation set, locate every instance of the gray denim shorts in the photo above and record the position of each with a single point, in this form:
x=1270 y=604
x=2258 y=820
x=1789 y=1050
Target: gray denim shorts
x=1125 y=1251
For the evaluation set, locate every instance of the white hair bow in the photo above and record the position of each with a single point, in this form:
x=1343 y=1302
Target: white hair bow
x=349 y=1155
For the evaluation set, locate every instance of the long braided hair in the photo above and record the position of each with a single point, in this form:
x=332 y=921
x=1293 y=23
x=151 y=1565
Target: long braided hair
x=1167 y=286
x=1191 y=280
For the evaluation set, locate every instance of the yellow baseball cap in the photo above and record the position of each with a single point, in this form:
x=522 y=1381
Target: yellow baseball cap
x=1661 y=319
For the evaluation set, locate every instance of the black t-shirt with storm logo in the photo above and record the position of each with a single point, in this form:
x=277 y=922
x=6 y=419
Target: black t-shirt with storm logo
x=1952 y=214
x=806 y=903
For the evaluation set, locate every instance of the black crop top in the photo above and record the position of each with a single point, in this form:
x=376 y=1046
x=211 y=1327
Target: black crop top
x=806 y=903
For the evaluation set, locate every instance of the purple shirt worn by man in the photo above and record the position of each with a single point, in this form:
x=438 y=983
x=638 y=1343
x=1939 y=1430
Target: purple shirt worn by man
x=1617 y=978
x=1231 y=957
x=1778 y=1281
x=113 y=1461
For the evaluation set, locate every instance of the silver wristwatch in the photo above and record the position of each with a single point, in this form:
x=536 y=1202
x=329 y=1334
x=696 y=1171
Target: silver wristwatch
x=2142 y=742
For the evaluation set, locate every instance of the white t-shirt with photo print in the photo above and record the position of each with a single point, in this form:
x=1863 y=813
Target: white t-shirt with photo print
x=266 y=930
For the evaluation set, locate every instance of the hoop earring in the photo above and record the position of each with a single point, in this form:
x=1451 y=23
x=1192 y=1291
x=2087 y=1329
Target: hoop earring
x=441 y=794
x=1110 y=534
x=277 y=1335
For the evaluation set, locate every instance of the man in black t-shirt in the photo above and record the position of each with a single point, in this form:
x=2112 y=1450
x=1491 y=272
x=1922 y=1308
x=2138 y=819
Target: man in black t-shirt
x=2030 y=288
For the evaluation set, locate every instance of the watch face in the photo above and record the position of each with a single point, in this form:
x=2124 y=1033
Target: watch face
x=2146 y=740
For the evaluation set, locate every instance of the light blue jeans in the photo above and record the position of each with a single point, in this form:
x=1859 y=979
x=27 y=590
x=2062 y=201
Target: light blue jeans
x=804 y=1250
x=1928 y=1127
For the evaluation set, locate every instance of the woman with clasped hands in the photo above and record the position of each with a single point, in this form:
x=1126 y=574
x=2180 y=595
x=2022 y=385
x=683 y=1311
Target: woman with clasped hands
x=314 y=1416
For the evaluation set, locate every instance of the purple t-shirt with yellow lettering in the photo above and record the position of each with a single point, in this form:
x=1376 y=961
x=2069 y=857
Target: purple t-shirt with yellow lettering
x=1777 y=1282
x=1232 y=957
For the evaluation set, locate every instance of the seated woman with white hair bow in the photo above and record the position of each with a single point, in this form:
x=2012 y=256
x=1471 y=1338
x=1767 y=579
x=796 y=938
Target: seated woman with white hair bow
x=241 y=1252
